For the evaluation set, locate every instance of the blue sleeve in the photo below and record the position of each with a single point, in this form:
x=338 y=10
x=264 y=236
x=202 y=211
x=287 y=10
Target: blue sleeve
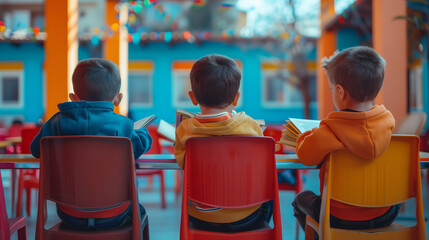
x=35 y=144
x=141 y=140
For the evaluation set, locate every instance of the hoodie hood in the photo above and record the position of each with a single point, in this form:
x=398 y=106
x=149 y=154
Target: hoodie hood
x=193 y=126
x=361 y=132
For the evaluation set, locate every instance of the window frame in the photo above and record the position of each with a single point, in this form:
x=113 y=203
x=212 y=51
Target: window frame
x=19 y=74
x=142 y=68
x=178 y=69
x=269 y=68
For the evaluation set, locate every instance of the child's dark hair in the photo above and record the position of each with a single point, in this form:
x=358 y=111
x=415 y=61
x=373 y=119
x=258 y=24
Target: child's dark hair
x=359 y=70
x=215 y=80
x=96 y=79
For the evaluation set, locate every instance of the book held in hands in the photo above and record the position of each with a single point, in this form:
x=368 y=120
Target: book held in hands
x=295 y=127
x=144 y=122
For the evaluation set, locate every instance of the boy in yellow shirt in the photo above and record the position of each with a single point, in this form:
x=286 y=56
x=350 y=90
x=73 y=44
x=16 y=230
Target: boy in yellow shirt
x=355 y=76
x=215 y=81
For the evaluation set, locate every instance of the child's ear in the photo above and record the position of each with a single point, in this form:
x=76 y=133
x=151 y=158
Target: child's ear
x=117 y=99
x=237 y=96
x=341 y=91
x=73 y=97
x=193 y=99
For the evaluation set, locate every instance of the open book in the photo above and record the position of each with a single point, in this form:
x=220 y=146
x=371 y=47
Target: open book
x=295 y=127
x=167 y=131
x=183 y=114
x=144 y=122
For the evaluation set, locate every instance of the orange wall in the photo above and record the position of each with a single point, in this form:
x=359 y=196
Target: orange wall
x=390 y=40
x=116 y=48
x=326 y=46
x=61 y=49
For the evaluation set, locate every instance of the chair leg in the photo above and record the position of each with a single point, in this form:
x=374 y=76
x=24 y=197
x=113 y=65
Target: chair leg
x=150 y=183
x=28 y=190
x=178 y=184
x=22 y=233
x=146 y=232
x=309 y=232
x=163 y=204
x=296 y=230
x=19 y=199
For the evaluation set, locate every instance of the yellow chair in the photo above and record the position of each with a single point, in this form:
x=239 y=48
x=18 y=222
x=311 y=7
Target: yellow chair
x=390 y=179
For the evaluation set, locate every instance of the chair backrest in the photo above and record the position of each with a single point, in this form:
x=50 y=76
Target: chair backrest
x=27 y=135
x=384 y=181
x=230 y=172
x=275 y=131
x=156 y=146
x=87 y=172
x=390 y=179
x=4 y=223
x=246 y=166
x=412 y=124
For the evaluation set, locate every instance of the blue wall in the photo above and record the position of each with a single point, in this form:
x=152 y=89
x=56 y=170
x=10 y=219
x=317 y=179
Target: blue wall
x=163 y=56
x=348 y=37
x=32 y=57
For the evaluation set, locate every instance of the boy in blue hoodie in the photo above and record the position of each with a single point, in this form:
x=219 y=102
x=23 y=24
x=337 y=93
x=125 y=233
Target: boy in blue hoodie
x=96 y=85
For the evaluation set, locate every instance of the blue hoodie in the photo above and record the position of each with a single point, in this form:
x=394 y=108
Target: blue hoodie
x=92 y=118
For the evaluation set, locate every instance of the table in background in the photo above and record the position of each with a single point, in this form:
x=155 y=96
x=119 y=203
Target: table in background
x=166 y=161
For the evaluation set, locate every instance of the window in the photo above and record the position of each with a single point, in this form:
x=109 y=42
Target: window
x=140 y=84
x=279 y=86
x=415 y=95
x=182 y=84
x=11 y=85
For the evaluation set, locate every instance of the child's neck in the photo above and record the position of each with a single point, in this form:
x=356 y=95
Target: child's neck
x=359 y=106
x=212 y=110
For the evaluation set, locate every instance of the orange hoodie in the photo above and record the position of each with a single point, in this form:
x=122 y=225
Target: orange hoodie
x=365 y=134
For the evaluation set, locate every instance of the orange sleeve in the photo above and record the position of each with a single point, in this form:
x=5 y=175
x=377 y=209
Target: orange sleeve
x=312 y=146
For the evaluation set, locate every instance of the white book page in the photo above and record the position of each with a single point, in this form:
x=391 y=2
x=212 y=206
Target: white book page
x=304 y=125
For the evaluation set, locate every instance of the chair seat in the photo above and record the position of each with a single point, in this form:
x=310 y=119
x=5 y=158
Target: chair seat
x=64 y=232
x=16 y=223
x=390 y=228
x=31 y=182
x=261 y=233
x=147 y=172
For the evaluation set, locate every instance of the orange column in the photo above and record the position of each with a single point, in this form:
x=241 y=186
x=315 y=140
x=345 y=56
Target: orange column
x=61 y=48
x=390 y=40
x=326 y=46
x=116 y=46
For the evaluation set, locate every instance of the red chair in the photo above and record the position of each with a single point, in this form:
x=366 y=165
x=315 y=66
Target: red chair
x=155 y=149
x=230 y=172
x=88 y=172
x=8 y=226
x=28 y=178
x=275 y=131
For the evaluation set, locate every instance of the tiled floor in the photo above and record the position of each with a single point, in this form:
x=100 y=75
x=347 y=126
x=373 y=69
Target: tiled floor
x=165 y=223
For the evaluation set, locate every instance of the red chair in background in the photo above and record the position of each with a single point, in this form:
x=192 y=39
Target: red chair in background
x=275 y=131
x=156 y=149
x=247 y=168
x=8 y=226
x=28 y=178
x=88 y=172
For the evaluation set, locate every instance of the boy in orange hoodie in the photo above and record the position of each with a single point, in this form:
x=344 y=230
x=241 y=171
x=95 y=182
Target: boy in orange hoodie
x=355 y=76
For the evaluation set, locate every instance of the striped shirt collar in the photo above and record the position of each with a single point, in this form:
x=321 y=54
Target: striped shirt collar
x=211 y=118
